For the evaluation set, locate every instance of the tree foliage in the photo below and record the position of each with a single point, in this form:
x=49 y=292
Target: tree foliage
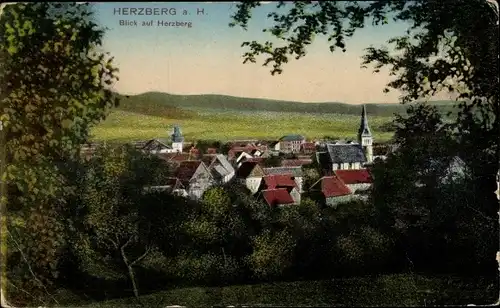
x=55 y=84
x=113 y=226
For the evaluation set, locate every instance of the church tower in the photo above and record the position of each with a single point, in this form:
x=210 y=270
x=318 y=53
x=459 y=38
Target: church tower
x=365 y=136
x=177 y=140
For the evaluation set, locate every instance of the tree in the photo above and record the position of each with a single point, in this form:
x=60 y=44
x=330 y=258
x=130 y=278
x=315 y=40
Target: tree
x=448 y=45
x=112 y=222
x=272 y=161
x=55 y=85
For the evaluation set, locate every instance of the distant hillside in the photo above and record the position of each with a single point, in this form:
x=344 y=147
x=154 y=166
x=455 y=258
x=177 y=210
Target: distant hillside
x=178 y=106
x=150 y=107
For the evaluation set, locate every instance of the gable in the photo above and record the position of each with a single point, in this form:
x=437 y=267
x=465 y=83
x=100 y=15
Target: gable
x=202 y=172
x=257 y=171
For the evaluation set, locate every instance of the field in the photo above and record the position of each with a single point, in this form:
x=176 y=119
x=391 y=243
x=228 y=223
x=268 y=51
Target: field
x=227 y=125
x=218 y=117
x=385 y=290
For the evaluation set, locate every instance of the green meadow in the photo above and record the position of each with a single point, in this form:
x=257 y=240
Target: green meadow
x=217 y=125
x=219 y=117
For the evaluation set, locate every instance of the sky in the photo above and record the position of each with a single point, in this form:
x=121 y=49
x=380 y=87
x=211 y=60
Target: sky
x=206 y=58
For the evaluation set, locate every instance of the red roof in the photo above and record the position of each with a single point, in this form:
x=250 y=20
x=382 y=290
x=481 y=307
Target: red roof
x=187 y=169
x=295 y=162
x=255 y=159
x=211 y=151
x=277 y=196
x=331 y=186
x=354 y=176
x=279 y=180
x=309 y=145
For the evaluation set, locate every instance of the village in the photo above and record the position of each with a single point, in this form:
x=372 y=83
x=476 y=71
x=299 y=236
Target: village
x=271 y=171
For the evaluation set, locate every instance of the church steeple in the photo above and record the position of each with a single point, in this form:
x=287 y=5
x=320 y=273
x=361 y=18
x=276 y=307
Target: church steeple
x=177 y=139
x=364 y=129
x=177 y=136
x=365 y=136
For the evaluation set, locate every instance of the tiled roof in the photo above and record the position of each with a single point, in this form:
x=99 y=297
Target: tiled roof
x=277 y=196
x=187 y=169
x=255 y=159
x=292 y=138
x=156 y=145
x=309 y=145
x=295 y=171
x=345 y=153
x=295 y=162
x=278 y=181
x=175 y=156
x=361 y=176
x=245 y=169
x=331 y=186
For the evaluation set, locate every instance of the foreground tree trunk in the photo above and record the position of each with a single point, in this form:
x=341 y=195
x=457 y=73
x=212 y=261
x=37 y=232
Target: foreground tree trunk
x=130 y=265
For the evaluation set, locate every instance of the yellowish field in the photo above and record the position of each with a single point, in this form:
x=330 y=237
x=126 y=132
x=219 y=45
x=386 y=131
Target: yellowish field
x=227 y=125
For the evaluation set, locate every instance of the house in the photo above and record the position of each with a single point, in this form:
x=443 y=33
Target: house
x=196 y=177
x=220 y=167
x=358 y=181
x=296 y=172
x=286 y=181
x=277 y=197
x=308 y=148
x=350 y=154
x=211 y=151
x=342 y=156
x=242 y=157
x=331 y=191
x=194 y=152
x=290 y=143
x=160 y=146
x=250 y=174
x=173 y=186
x=258 y=160
x=174 y=159
x=157 y=146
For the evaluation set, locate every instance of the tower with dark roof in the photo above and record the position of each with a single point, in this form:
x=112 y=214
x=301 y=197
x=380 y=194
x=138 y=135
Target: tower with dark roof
x=177 y=139
x=365 y=137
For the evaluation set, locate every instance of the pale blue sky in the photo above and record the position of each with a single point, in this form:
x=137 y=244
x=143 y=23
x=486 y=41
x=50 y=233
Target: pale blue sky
x=207 y=58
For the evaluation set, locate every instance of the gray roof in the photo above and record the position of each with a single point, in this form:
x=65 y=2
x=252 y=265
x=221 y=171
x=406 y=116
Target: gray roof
x=292 y=138
x=346 y=153
x=156 y=145
x=225 y=163
x=295 y=171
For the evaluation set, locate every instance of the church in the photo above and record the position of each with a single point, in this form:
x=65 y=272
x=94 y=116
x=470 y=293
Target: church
x=160 y=146
x=349 y=155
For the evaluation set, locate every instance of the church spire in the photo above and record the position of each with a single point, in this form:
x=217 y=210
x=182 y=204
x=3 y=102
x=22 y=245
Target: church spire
x=177 y=136
x=364 y=129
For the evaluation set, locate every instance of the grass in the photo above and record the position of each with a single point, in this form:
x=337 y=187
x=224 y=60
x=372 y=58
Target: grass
x=386 y=290
x=216 y=124
x=219 y=117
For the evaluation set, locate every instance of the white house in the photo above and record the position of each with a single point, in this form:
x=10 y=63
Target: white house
x=250 y=174
x=220 y=167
